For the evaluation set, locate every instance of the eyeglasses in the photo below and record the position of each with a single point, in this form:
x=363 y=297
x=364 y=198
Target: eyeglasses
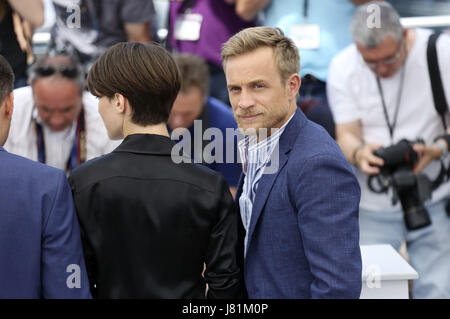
x=67 y=71
x=389 y=61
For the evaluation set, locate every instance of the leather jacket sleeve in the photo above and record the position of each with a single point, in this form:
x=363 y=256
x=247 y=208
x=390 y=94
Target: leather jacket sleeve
x=222 y=272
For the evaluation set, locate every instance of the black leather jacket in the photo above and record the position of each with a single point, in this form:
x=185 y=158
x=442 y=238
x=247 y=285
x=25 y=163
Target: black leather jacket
x=149 y=225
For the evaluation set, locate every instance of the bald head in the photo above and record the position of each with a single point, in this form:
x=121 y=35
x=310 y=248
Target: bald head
x=58 y=101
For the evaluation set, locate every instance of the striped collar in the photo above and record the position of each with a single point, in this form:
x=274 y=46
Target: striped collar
x=253 y=152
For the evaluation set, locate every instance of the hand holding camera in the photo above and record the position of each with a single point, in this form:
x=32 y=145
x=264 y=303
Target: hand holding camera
x=426 y=155
x=410 y=188
x=365 y=159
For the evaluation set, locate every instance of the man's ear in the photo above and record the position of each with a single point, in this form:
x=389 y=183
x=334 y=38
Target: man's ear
x=9 y=105
x=293 y=85
x=405 y=34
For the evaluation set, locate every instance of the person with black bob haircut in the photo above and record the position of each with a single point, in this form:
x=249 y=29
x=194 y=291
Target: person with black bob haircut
x=150 y=225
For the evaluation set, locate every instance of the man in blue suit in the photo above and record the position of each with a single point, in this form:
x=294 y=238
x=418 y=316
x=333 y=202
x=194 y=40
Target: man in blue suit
x=298 y=197
x=40 y=246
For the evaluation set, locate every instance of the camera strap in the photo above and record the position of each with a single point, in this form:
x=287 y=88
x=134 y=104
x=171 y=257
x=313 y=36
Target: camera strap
x=443 y=173
x=440 y=102
x=390 y=126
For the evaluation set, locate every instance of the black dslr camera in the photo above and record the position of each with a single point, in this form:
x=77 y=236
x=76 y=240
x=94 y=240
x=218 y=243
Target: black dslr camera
x=412 y=189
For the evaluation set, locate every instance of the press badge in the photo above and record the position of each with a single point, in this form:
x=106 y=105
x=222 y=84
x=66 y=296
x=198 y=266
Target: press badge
x=306 y=36
x=187 y=27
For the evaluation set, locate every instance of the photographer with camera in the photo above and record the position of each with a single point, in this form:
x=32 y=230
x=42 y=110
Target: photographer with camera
x=388 y=125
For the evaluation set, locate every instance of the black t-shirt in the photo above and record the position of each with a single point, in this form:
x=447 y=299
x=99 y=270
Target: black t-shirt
x=9 y=47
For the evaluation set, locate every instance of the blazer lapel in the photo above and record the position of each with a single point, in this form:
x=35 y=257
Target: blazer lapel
x=262 y=194
x=239 y=189
x=240 y=225
x=287 y=140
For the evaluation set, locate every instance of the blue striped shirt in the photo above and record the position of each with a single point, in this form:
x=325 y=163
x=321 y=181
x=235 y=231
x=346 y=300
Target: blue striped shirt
x=255 y=156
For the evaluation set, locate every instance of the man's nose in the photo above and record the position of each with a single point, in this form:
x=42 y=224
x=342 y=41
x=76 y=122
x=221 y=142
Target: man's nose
x=56 y=121
x=175 y=122
x=246 y=100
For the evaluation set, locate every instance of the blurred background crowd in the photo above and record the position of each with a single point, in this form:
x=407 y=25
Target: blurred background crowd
x=51 y=45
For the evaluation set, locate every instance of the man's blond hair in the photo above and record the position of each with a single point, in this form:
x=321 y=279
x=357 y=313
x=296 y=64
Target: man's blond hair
x=286 y=54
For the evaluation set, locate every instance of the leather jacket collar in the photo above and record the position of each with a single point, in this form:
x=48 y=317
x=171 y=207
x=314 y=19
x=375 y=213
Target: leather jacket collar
x=146 y=144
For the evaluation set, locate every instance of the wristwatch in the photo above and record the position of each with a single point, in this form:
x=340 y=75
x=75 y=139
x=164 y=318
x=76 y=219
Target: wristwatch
x=443 y=146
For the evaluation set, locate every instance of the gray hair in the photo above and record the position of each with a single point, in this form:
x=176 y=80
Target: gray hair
x=79 y=79
x=373 y=22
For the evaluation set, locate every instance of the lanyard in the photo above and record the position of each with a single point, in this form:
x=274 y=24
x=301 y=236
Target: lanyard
x=78 y=152
x=305 y=8
x=397 y=107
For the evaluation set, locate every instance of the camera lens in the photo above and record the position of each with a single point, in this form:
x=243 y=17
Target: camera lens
x=416 y=217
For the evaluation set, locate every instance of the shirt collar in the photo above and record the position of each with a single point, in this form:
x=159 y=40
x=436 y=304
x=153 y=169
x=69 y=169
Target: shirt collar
x=35 y=116
x=249 y=145
x=146 y=144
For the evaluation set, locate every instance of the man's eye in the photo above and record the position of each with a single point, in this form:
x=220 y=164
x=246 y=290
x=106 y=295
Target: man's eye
x=234 y=89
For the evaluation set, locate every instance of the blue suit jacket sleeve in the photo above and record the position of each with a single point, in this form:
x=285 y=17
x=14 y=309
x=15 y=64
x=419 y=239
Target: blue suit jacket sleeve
x=327 y=197
x=63 y=268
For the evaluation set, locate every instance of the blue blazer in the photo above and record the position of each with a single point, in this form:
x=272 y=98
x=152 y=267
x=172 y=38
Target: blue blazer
x=304 y=235
x=40 y=246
